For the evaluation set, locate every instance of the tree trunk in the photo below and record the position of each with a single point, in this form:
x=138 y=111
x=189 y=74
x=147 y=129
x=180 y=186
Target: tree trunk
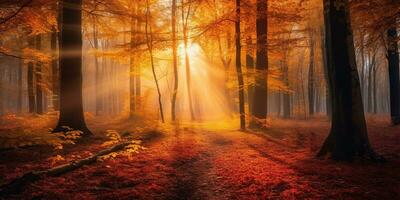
x=328 y=88
x=285 y=95
x=259 y=111
x=348 y=137
x=187 y=61
x=132 y=72
x=71 y=106
x=20 y=90
x=250 y=72
x=393 y=62
x=239 y=68
x=149 y=42
x=311 y=88
x=31 y=79
x=39 y=81
x=55 y=70
x=138 y=84
x=370 y=83
x=174 y=61
x=98 y=82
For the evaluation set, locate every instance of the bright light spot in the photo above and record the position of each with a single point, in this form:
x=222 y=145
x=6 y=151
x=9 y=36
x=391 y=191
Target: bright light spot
x=193 y=49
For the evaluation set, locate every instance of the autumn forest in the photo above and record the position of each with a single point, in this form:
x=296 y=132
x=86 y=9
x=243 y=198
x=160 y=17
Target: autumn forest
x=199 y=99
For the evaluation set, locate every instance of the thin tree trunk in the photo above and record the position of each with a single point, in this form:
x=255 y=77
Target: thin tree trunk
x=39 y=81
x=285 y=95
x=311 y=88
x=187 y=61
x=132 y=72
x=138 y=80
x=250 y=72
x=98 y=82
x=348 y=137
x=55 y=70
x=260 y=100
x=31 y=79
x=239 y=68
x=174 y=61
x=71 y=105
x=149 y=42
x=20 y=71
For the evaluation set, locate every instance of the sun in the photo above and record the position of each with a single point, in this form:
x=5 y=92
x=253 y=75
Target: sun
x=193 y=50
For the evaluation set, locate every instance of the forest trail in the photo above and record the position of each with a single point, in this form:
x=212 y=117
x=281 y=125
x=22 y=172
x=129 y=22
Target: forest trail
x=195 y=162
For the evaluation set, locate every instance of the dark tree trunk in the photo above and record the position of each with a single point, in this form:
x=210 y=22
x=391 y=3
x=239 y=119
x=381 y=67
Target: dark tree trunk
x=393 y=62
x=285 y=96
x=39 y=81
x=250 y=72
x=239 y=68
x=174 y=61
x=20 y=90
x=71 y=106
x=55 y=70
x=348 y=137
x=31 y=79
x=259 y=111
x=311 y=88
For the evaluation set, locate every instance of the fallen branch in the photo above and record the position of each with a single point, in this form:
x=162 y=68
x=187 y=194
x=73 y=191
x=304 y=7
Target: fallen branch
x=16 y=186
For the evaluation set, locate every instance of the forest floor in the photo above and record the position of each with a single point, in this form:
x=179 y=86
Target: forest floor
x=210 y=161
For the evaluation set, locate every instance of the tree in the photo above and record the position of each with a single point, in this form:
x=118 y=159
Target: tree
x=71 y=106
x=393 y=63
x=185 y=23
x=174 y=60
x=132 y=71
x=250 y=72
x=239 y=68
x=149 y=42
x=259 y=111
x=311 y=76
x=30 y=78
x=348 y=137
x=55 y=69
x=39 y=79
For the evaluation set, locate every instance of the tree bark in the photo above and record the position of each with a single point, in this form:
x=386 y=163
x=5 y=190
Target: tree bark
x=71 y=106
x=260 y=100
x=239 y=68
x=348 y=137
x=98 y=86
x=149 y=42
x=31 y=79
x=393 y=62
x=174 y=61
x=187 y=59
x=55 y=70
x=285 y=96
x=138 y=84
x=311 y=88
x=132 y=72
x=250 y=72
x=39 y=81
